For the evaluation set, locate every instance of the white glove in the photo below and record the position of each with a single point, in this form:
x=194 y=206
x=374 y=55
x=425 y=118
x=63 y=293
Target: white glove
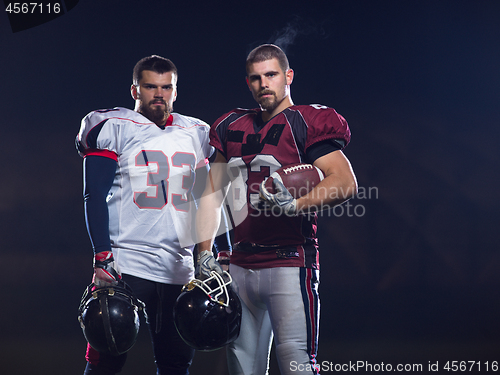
x=206 y=264
x=282 y=199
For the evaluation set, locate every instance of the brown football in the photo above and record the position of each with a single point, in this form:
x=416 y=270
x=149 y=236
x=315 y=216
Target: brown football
x=299 y=178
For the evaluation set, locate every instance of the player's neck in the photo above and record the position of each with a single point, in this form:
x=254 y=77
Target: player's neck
x=161 y=124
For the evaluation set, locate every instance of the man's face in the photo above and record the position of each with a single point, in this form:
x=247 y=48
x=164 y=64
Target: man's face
x=155 y=95
x=269 y=85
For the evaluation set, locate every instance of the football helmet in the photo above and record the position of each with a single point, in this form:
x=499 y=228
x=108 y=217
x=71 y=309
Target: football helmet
x=207 y=313
x=109 y=317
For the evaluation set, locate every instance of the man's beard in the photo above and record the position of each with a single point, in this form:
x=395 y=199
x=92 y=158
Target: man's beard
x=269 y=104
x=155 y=113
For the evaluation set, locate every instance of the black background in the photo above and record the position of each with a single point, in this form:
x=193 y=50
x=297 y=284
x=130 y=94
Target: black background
x=410 y=276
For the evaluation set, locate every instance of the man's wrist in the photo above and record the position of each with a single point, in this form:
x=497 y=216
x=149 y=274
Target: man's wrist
x=224 y=258
x=200 y=253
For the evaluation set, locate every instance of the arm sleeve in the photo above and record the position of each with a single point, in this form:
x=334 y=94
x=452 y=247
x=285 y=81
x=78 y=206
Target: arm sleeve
x=99 y=173
x=322 y=148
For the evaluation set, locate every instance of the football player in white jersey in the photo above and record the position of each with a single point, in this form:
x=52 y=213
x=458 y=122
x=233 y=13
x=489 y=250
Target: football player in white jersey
x=141 y=170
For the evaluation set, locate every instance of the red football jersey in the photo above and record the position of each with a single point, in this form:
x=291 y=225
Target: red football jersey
x=253 y=151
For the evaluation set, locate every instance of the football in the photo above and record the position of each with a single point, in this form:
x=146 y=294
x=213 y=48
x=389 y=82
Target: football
x=298 y=178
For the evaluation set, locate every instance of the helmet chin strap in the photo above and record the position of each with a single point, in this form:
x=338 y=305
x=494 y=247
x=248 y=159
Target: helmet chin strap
x=103 y=301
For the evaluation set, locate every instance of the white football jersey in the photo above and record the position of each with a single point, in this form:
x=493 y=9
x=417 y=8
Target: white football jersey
x=150 y=208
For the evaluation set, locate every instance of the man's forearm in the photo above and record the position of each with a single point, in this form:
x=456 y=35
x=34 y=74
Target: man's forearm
x=208 y=221
x=338 y=186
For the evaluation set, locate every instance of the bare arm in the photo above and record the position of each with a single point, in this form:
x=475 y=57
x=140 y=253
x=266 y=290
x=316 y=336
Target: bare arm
x=339 y=184
x=209 y=210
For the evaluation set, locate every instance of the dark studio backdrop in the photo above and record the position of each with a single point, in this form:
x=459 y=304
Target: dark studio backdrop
x=409 y=267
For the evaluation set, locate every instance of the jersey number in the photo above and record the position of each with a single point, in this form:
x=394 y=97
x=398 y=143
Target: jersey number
x=159 y=178
x=245 y=177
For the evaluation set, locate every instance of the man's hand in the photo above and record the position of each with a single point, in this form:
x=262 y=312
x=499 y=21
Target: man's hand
x=206 y=264
x=105 y=272
x=224 y=258
x=282 y=199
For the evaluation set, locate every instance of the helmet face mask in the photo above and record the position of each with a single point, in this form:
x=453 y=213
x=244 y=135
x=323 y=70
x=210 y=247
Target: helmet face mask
x=215 y=287
x=109 y=318
x=207 y=313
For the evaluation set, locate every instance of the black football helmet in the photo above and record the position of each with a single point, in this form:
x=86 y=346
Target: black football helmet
x=109 y=317
x=207 y=313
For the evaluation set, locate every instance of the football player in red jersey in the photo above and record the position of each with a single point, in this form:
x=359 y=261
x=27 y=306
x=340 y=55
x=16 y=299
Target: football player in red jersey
x=274 y=262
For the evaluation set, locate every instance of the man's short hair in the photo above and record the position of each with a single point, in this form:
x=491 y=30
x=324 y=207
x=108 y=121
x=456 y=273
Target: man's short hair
x=154 y=63
x=266 y=52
